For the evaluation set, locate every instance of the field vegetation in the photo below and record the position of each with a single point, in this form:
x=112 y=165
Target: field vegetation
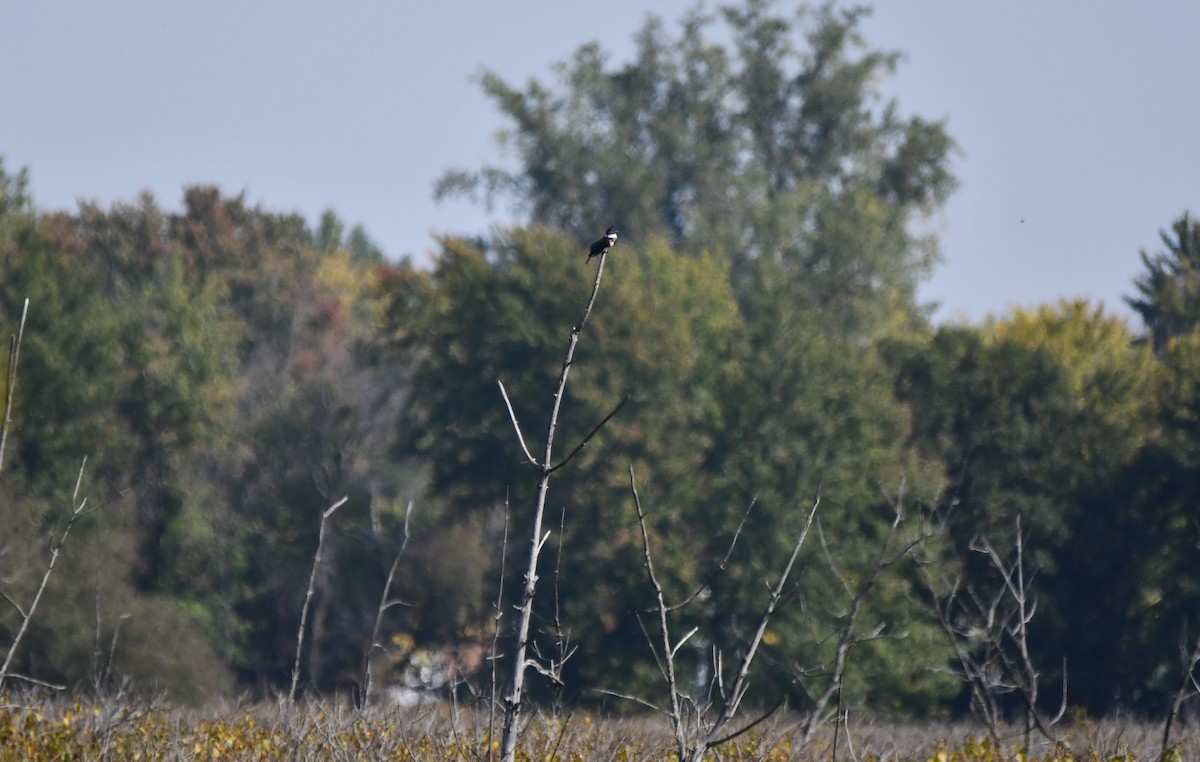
x=116 y=729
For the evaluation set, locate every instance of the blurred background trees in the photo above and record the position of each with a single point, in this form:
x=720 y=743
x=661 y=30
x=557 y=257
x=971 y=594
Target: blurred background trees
x=231 y=371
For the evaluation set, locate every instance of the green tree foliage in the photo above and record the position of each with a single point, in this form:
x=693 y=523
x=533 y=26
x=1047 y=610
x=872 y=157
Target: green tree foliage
x=1169 y=291
x=215 y=367
x=805 y=409
x=719 y=415
x=113 y=367
x=1026 y=412
x=317 y=408
x=1110 y=380
x=1154 y=523
x=174 y=344
x=230 y=372
x=1153 y=519
x=773 y=156
x=774 y=147
x=1047 y=415
x=1111 y=385
x=660 y=332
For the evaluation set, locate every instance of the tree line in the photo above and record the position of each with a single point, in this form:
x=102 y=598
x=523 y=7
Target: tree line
x=230 y=372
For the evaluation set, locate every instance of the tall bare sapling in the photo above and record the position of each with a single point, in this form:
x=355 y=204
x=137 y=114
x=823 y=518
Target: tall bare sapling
x=545 y=466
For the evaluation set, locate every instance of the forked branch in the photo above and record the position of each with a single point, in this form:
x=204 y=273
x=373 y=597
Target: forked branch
x=694 y=743
x=888 y=556
x=738 y=690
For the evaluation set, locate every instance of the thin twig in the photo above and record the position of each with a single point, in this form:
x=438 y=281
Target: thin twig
x=707 y=584
x=562 y=732
x=14 y=352
x=496 y=631
x=592 y=433
x=1187 y=687
x=77 y=512
x=384 y=605
x=629 y=697
x=513 y=415
x=112 y=649
x=12 y=603
x=562 y=639
x=850 y=636
x=738 y=689
x=37 y=682
x=667 y=662
x=752 y=724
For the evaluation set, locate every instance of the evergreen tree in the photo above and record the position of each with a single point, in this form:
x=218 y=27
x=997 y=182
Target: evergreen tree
x=1169 y=290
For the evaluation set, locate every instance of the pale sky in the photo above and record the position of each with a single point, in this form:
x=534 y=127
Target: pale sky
x=1079 y=118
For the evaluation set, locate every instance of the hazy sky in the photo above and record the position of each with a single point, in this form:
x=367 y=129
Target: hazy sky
x=1078 y=126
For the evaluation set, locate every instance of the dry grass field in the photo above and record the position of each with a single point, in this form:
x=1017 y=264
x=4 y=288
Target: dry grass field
x=120 y=730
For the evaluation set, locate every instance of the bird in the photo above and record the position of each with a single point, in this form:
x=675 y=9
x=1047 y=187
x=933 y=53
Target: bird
x=606 y=242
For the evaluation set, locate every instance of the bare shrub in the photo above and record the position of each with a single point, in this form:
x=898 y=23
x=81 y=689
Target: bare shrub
x=988 y=626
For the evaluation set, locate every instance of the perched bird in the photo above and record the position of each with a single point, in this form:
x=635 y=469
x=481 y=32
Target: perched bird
x=606 y=242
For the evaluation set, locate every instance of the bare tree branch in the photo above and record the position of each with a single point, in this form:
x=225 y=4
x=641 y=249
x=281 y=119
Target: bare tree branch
x=77 y=512
x=13 y=603
x=312 y=581
x=513 y=415
x=667 y=662
x=850 y=637
x=1188 y=688
x=972 y=672
x=738 y=689
x=592 y=433
x=496 y=631
x=707 y=583
x=695 y=731
x=14 y=352
x=996 y=626
x=630 y=697
x=750 y=725
x=37 y=682
x=384 y=605
x=562 y=637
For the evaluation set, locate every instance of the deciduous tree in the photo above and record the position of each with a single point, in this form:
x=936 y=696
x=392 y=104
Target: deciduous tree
x=776 y=147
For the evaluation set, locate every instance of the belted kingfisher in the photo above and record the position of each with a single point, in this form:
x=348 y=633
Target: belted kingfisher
x=604 y=244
